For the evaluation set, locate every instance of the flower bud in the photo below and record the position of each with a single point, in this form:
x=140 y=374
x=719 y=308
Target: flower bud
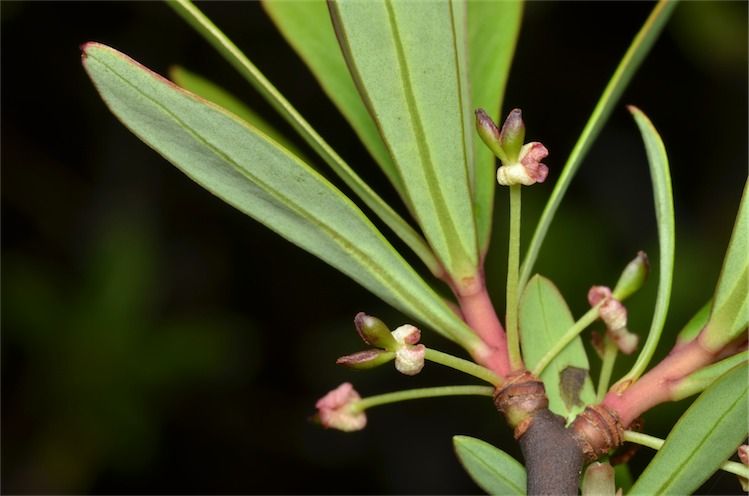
x=744 y=457
x=528 y=170
x=597 y=294
x=374 y=332
x=512 y=135
x=407 y=334
x=489 y=133
x=366 y=359
x=409 y=360
x=337 y=409
x=633 y=276
x=613 y=314
x=626 y=341
x=598 y=480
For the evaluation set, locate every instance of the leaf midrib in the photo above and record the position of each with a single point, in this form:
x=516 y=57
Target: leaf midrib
x=378 y=274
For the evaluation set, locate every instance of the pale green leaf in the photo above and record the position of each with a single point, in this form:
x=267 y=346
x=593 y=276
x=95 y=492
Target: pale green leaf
x=730 y=313
x=626 y=69
x=544 y=318
x=406 y=63
x=251 y=172
x=492 y=469
x=216 y=94
x=493 y=29
x=247 y=69
x=660 y=177
x=307 y=27
x=703 y=438
x=695 y=324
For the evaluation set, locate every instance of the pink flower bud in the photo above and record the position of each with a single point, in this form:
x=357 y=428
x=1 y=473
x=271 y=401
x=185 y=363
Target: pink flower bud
x=744 y=457
x=409 y=360
x=597 y=294
x=336 y=410
x=407 y=334
x=613 y=314
x=625 y=340
x=528 y=169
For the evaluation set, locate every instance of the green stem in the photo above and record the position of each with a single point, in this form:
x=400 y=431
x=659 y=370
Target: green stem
x=610 y=350
x=578 y=327
x=630 y=62
x=656 y=443
x=213 y=35
x=415 y=394
x=513 y=263
x=465 y=366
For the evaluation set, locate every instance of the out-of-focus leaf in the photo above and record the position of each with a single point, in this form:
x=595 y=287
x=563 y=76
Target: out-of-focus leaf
x=307 y=27
x=216 y=94
x=408 y=66
x=492 y=469
x=703 y=438
x=493 y=29
x=257 y=176
x=660 y=177
x=544 y=318
x=730 y=313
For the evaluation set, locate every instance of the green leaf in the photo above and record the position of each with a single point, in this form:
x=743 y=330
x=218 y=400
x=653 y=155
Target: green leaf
x=700 y=380
x=544 y=318
x=492 y=469
x=247 y=69
x=632 y=59
x=407 y=64
x=307 y=27
x=216 y=94
x=248 y=170
x=493 y=29
x=660 y=177
x=703 y=438
x=692 y=329
x=730 y=313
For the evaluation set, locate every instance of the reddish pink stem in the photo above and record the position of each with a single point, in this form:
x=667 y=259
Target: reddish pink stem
x=479 y=314
x=655 y=386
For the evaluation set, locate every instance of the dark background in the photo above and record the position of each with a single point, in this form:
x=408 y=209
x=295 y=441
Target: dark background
x=154 y=340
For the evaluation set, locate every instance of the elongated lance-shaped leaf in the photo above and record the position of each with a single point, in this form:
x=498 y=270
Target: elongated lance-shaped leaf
x=251 y=172
x=730 y=313
x=247 y=69
x=544 y=318
x=698 y=381
x=493 y=29
x=632 y=59
x=308 y=29
x=664 y=212
x=214 y=93
x=492 y=469
x=695 y=325
x=407 y=66
x=703 y=438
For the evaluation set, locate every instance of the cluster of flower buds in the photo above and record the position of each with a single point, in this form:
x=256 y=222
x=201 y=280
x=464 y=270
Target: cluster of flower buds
x=521 y=163
x=337 y=409
x=401 y=345
x=614 y=314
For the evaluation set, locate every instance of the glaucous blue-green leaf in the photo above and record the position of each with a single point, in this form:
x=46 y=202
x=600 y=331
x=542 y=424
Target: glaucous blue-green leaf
x=216 y=94
x=730 y=313
x=544 y=318
x=493 y=29
x=492 y=469
x=256 y=175
x=660 y=177
x=307 y=27
x=704 y=437
x=407 y=63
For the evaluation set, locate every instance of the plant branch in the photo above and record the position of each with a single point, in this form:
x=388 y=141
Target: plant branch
x=656 y=443
x=465 y=366
x=414 y=394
